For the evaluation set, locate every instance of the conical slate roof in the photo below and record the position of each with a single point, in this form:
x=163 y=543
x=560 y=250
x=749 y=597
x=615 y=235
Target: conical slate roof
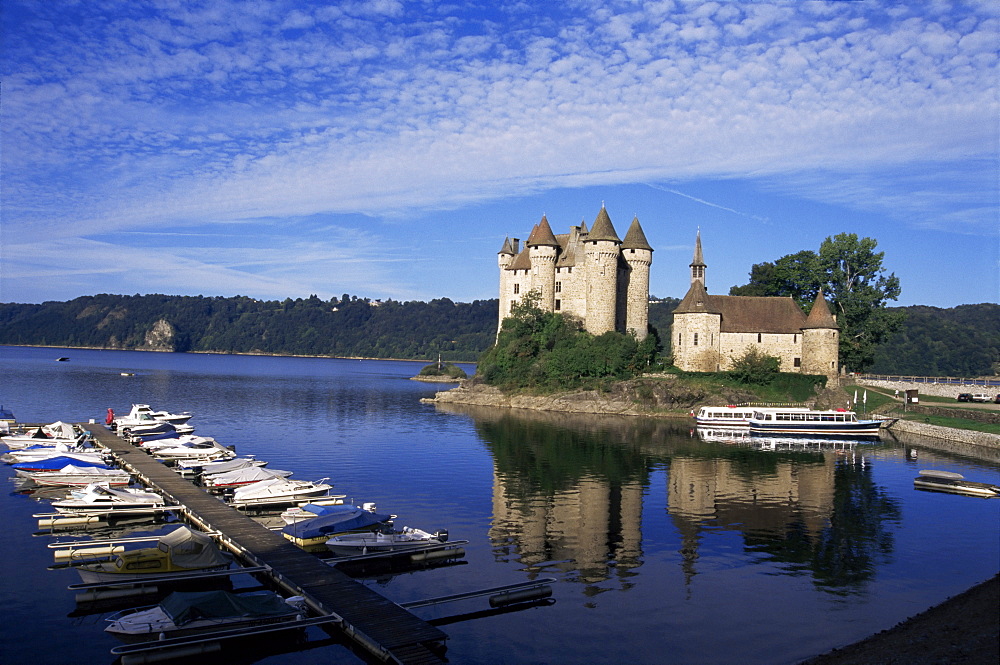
x=819 y=315
x=603 y=229
x=635 y=238
x=508 y=247
x=542 y=235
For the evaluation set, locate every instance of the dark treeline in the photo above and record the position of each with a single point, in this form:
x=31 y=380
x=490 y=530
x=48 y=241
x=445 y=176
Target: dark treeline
x=959 y=341
x=345 y=327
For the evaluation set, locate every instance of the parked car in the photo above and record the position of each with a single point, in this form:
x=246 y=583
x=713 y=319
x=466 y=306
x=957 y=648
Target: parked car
x=997 y=400
x=980 y=397
x=965 y=397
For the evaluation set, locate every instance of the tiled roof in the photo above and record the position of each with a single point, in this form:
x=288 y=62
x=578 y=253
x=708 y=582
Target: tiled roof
x=819 y=316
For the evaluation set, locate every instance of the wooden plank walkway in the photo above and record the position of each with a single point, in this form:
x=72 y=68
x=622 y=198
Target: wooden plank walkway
x=372 y=621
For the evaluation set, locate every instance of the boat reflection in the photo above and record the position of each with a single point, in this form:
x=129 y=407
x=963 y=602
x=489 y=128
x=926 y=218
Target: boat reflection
x=742 y=437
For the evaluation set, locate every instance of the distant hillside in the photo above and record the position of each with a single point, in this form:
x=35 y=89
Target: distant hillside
x=348 y=327
x=960 y=341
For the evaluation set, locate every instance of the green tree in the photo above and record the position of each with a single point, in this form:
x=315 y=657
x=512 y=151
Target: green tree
x=853 y=277
x=754 y=368
x=850 y=272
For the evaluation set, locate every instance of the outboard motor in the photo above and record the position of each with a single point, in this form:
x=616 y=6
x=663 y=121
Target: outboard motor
x=442 y=535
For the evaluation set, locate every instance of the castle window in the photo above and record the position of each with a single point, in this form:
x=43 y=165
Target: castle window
x=517 y=289
x=797 y=362
x=678 y=339
x=558 y=305
x=558 y=287
x=570 y=269
x=758 y=338
x=795 y=340
x=696 y=339
x=512 y=303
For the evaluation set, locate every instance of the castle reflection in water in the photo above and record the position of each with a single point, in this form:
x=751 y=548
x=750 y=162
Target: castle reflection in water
x=570 y=493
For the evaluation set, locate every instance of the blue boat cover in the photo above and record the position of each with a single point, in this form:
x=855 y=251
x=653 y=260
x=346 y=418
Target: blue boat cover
x=337 y=519
x=56 y=463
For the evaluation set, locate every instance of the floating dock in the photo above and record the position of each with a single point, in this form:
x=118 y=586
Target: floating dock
x=379 y=626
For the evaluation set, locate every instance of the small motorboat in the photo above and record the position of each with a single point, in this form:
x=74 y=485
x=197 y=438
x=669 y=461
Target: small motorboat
x=73 y=476
x=57 y=463
x=185 y=613
x=43 y=452
x=327 y=521
x=228 y=480
x=205 y=450
x=102 y=497
x=188 y=468
x=279 y=491
x=350 y=544
x=57 y=432
x=143 y=414
x=183 y=550
x=953 y=483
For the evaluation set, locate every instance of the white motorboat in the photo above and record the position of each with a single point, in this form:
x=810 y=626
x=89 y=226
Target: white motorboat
x=39 y=453
x=156 y=444
x=205 y=450
x=188 y=468
x=195 y=612
x=143 y=414
x=96 y=496
x=57 y=432
x=349 y=544
x=70 y=476
x=240 y=477
x=279 y=491
x=953 y=483
x=183 y=550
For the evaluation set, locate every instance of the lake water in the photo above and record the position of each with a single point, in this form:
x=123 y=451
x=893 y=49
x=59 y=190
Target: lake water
x=666 y=548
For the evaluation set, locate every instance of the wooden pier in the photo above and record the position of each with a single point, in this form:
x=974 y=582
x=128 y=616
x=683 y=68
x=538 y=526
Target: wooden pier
x=381 y=627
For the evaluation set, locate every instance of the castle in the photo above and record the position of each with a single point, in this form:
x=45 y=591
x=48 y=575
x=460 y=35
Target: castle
x=709 y=332
x=590 y=275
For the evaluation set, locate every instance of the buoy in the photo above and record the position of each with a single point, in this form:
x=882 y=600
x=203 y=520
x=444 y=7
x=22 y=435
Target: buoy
x=521 y=596
x=437 y=555
x=88 y=552
x=52 y=522
x=95 y=595
x=171 y=654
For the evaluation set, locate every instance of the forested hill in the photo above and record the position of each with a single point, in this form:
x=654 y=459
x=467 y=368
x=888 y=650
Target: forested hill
x=960 y=341
x=345 y=327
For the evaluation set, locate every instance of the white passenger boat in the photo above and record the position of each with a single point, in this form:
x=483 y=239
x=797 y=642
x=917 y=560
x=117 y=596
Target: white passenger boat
x=39 y=453
x=184 y=613
x=73 y=476
x=240 y=477
x=349 y=544
x=279 y=491
x=103 y=497
x=798 y=422
x=729 y=416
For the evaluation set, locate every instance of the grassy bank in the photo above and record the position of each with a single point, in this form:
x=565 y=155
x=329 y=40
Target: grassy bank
x=885 y=403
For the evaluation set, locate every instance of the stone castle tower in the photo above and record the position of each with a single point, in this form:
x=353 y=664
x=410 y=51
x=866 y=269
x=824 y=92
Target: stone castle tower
x=709 y=332
x=592 y=275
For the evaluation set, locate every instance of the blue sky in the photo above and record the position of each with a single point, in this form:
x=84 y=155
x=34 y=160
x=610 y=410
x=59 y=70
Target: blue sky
x=386 y=148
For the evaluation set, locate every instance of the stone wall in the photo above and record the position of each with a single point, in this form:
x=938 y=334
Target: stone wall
x=964 y=442
x=936 y=389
